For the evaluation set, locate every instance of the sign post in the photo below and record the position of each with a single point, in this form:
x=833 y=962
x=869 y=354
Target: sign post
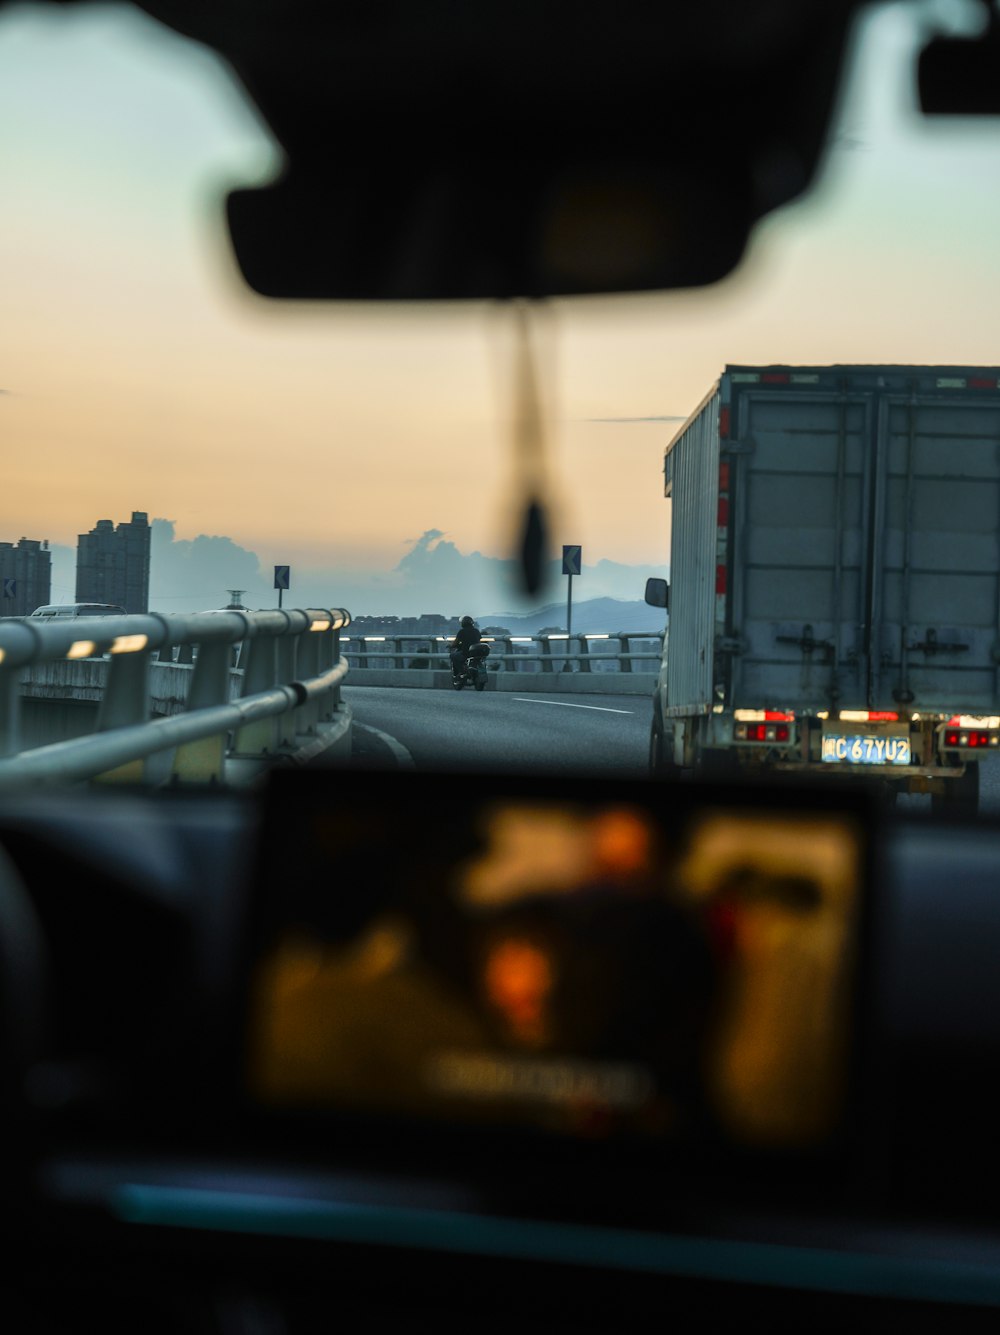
x=572 y=559
x=282 y=580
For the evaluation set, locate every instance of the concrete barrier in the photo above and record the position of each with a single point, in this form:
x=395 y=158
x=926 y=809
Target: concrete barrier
x=104 y=699
x=85 y=679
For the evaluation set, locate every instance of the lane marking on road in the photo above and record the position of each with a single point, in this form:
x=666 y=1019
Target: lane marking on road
x=400 y=754
x=565 y=704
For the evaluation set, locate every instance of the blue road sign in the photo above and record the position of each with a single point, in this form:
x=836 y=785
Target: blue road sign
x=10 y=588
x=572 y=559
x=282 y=577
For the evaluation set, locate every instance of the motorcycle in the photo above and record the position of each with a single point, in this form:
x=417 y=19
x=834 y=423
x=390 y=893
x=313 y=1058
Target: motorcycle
x=470 y=669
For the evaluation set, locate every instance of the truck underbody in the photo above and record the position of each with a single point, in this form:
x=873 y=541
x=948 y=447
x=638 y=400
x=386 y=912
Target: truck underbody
x=939 y=757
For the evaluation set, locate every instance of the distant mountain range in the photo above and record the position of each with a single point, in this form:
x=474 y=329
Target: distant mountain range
x=590 y=617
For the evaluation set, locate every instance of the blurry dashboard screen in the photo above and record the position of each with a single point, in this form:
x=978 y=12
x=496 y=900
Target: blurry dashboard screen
x=635 y=961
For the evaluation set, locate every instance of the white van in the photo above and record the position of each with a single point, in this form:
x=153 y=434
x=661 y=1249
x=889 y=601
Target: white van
x=59 y=610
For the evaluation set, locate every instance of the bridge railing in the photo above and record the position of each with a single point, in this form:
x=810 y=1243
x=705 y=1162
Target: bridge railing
x=285 y=699
x=555 y=653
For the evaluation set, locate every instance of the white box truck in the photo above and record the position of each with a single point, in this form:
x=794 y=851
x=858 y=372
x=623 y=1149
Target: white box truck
x=834 y=590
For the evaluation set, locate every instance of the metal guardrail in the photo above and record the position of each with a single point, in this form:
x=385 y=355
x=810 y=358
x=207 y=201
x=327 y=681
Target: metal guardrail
x=292 y=669
x=574 y=651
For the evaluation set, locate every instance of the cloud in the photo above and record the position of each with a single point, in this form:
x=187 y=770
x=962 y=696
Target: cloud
x=433 y=575
x=436 y=576
x=433 y=551
x=185 y=575
x=426 y=538
x=193 y=574
x=435 y=572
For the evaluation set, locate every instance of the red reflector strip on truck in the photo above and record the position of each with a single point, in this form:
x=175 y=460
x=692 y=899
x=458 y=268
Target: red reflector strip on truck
x=868 y=716
x=720 y=579
x=967 y=382
x=773 y=378
x=724 y=424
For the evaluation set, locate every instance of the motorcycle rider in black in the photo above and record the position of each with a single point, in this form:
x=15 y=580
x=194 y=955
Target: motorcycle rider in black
x=468 y=635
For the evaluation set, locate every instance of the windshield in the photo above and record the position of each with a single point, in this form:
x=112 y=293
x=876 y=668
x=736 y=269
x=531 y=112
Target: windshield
x=249 y=454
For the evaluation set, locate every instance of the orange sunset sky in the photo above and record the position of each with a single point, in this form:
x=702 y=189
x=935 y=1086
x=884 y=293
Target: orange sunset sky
x=136 y=373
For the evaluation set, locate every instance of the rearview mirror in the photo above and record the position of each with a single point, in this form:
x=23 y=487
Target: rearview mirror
x=487 y=152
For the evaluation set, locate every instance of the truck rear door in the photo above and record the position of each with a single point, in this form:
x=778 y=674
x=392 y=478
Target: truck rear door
x=936 y=559
x=802 y=492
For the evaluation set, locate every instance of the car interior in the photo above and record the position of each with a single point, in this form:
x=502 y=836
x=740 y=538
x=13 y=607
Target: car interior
x=472 y=1050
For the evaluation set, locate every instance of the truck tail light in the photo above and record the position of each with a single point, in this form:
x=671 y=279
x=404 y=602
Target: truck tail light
x=970 y=739
x=762 y=732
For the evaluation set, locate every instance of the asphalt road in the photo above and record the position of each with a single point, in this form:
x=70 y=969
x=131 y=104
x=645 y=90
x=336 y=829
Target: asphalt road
x=989 y=785
x=578 y=734
x=494 y=730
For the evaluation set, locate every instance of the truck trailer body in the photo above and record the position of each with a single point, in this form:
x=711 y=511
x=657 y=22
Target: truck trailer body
x=835 y=576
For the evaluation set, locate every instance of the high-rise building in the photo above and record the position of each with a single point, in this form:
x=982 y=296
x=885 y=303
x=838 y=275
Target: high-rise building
x=25 y=576
x=112 y=564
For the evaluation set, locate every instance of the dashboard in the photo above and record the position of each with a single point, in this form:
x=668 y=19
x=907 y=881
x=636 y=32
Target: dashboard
x=174 y=1152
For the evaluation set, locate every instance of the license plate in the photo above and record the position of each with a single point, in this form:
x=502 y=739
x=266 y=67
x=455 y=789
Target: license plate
x=854 y=750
